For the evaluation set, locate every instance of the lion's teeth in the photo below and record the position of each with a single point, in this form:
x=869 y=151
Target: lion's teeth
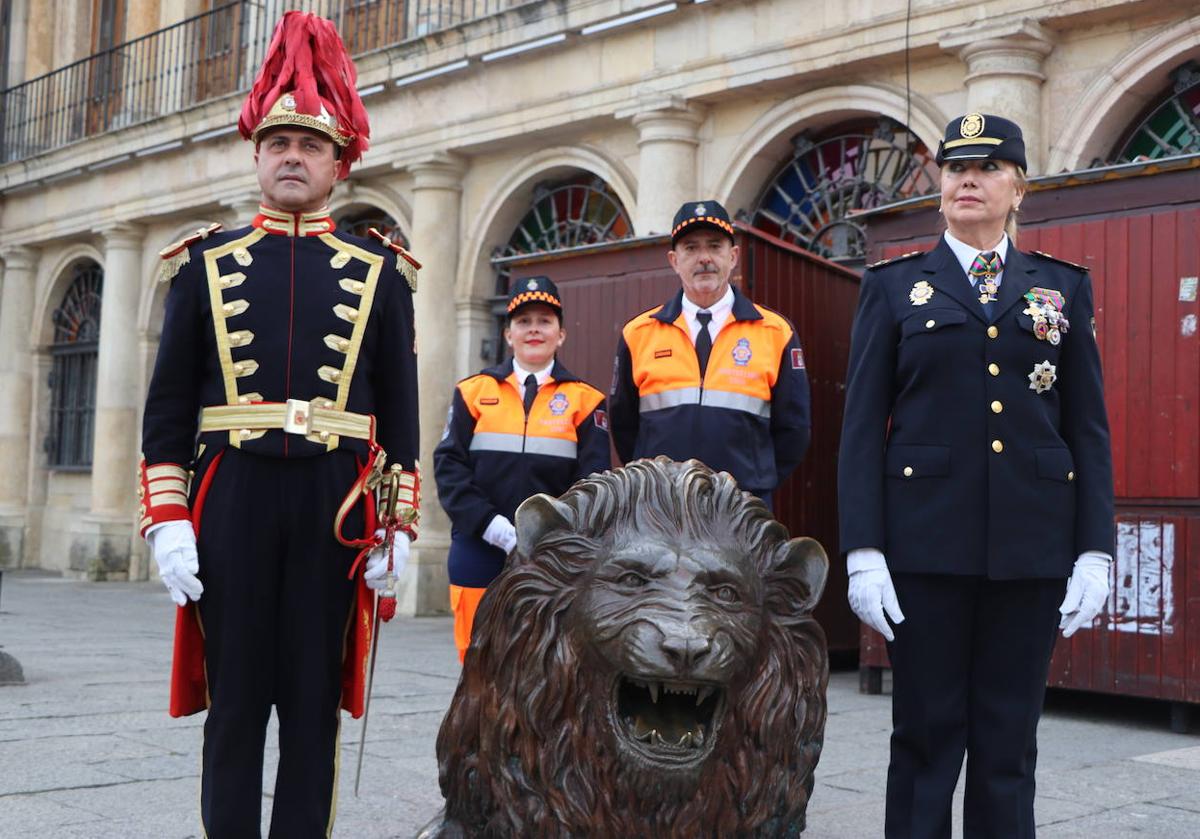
x=698 y=737
x=703 y=694
x=653 y=688
x=656 y=738
x=685 y=740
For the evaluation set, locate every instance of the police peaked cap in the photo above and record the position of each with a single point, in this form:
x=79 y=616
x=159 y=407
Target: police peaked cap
x=697 y=214
x=982 y=137
x=534 y=290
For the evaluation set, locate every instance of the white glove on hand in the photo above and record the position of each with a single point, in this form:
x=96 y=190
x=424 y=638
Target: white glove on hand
x=173 y=546
x=501 y=534
x=871 y=592
x=376 y=571
x=1087 y=591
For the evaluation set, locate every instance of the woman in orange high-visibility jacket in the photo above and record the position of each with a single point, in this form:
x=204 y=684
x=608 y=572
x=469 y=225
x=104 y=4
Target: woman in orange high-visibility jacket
x=522 y=427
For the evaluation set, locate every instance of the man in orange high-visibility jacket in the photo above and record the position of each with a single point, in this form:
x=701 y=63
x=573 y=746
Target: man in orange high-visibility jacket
x=709 y=374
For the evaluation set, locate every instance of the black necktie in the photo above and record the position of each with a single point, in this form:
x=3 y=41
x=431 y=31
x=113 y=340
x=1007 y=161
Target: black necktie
x=703 y=340
x=531 y=389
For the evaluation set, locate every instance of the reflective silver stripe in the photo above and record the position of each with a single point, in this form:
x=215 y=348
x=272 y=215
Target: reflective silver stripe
x=669 y=399
x=553 y=446
x=494 y=441
x=737 y=402
x=712 y=398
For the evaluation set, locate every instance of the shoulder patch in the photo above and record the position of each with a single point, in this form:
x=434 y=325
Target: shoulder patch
x=406 y=263
x=890 y=260
x=1076 y=266
x=175 y=255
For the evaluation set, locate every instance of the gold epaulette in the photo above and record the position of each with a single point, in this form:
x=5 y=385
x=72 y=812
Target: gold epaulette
x=175 y=256
x=406 y=263
x=1052 y=258
x=890 y=260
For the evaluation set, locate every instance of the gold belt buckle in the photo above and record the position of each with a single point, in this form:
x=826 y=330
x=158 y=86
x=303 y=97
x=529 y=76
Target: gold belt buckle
x=298 y=419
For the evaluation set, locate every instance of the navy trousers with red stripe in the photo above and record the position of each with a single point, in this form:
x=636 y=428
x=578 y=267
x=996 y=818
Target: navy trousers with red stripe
x=274 y=611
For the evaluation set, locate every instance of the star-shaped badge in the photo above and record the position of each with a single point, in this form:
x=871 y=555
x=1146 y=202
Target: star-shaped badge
x=921 y=292
x=1042 y=377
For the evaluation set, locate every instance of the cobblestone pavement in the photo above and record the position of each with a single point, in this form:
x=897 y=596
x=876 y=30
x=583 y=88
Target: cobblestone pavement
x=87 y=748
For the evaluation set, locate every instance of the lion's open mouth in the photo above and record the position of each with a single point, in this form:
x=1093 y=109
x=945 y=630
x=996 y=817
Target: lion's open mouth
x=673 y=721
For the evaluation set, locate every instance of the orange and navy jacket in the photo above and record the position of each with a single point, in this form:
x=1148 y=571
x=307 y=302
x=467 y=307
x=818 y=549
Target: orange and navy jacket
x=492 y=457
x=748 y=414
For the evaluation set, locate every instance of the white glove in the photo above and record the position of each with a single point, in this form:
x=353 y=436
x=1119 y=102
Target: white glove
x=1087 y=591
x=173 y=546
x=376 y=571
x=501 y=534
x=871 y=592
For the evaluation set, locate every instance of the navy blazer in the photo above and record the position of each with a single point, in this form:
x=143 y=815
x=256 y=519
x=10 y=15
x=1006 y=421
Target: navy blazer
x=952 y=461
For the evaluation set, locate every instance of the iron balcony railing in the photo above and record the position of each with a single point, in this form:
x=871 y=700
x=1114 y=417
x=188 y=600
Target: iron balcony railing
x=198 y=59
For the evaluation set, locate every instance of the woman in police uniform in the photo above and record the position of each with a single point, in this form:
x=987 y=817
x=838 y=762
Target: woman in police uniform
x=523 y=427
x=975 y=478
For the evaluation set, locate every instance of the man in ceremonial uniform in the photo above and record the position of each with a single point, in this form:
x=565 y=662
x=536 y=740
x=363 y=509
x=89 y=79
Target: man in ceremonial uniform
x=709 y=374
x=286 y=372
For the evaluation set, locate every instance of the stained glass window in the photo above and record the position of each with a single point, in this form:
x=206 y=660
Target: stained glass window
x=358 y=223
x=1173 y=125
x=854 y=166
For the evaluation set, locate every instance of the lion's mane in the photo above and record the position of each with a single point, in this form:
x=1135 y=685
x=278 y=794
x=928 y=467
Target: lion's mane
x=524 y=750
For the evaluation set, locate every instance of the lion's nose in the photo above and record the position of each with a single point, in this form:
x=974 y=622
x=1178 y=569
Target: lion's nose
x=685 y=652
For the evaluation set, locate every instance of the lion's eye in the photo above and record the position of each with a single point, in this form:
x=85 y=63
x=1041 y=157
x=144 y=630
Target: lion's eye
x=632 y=579
x=726 y=594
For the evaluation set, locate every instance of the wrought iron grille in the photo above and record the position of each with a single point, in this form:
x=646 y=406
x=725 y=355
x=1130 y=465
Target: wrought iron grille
x=853 y=167
x=73 y=370
x=1173 y=126
x=201 y=58
x=358 y=224
x=567 y=214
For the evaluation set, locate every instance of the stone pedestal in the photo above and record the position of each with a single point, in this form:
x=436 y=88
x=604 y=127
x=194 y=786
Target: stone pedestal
x=1004 y=75
x=667 y=140
x=16 y=308
x=437 y=207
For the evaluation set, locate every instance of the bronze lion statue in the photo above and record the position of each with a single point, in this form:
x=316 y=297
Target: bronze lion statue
x=646 y=665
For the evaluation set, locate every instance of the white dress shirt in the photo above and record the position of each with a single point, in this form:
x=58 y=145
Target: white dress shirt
x=522 y=374
x=721 y=311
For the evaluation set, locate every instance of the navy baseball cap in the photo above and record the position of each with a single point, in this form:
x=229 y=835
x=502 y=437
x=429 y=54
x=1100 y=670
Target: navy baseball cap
x=697 y=214
x=534 y=290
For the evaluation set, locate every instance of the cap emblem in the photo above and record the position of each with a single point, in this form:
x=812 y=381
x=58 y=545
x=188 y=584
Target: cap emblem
x=699 y=211
x=531 y=285
x=289 y=102
x=971 y=126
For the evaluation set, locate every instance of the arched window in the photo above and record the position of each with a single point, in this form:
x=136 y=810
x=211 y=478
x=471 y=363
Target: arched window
x=854 y=166
x=358 y=222
x=73 y=369
x=580 y=210
x=1173 y=124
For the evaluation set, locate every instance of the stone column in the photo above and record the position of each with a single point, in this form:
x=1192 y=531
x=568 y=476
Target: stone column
x=16 y=312
x=667 y=140
x=104 y=552
x=437 y=207
x=1004 y=75
x=242 y=211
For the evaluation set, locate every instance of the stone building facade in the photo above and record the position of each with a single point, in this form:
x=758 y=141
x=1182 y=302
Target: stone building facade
x=498 y=127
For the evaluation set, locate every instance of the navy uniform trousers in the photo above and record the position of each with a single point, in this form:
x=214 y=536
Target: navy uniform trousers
x=274 y=611
x=969 y=674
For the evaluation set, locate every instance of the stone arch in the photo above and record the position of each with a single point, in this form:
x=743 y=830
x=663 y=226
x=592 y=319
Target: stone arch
x=1119 y=93
x=352 y=196
x=152 y=295
x=502 y=208
x=53 y=281
x=766 y=144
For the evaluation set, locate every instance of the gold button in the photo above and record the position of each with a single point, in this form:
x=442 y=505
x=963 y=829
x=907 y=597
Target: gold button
x=358 y=288
x=993 y=331
x=997 y=446
x=227 y=308
x=929 y=324
x=908 y=471
x=1070 y=476
x=324 y=435
x=237 y=368
x=244 y=433
x=994 y=369
x=997 y=406
x=243 y=400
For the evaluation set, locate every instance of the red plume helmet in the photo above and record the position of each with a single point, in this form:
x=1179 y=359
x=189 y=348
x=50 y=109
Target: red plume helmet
x=308 y=80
